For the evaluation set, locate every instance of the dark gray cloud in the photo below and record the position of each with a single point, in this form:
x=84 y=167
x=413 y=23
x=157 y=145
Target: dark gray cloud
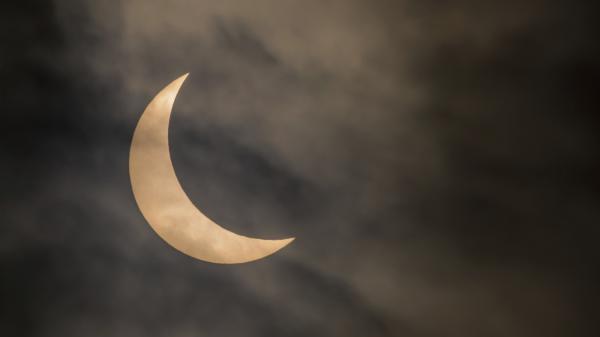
x=437 y=163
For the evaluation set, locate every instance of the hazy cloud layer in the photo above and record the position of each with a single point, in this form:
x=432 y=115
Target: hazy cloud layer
x=436 y=162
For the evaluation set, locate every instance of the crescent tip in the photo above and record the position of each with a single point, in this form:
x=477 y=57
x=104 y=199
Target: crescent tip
x=179 y=81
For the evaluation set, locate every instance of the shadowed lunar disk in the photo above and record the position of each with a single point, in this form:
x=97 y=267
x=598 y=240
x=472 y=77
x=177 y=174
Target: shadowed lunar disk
x=164 y=203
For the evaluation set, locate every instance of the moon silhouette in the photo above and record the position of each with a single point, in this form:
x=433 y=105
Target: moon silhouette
x=166 y=206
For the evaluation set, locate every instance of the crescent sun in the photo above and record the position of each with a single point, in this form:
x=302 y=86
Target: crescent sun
x=166 y=206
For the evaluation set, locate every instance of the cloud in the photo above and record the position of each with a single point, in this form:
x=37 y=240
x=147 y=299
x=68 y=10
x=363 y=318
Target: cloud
x=435 y=162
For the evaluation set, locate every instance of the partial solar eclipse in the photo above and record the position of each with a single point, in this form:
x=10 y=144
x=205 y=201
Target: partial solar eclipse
x=166 y=206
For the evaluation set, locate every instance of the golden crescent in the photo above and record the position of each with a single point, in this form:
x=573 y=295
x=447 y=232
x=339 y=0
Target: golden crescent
x=166 y=206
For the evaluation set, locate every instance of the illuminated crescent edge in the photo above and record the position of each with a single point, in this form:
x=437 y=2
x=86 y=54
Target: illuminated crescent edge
x=166 y=206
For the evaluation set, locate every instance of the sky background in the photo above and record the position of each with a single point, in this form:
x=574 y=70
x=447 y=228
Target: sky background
x=436 y=161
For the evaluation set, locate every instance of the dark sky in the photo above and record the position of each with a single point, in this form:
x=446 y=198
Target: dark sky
x=436 y=161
